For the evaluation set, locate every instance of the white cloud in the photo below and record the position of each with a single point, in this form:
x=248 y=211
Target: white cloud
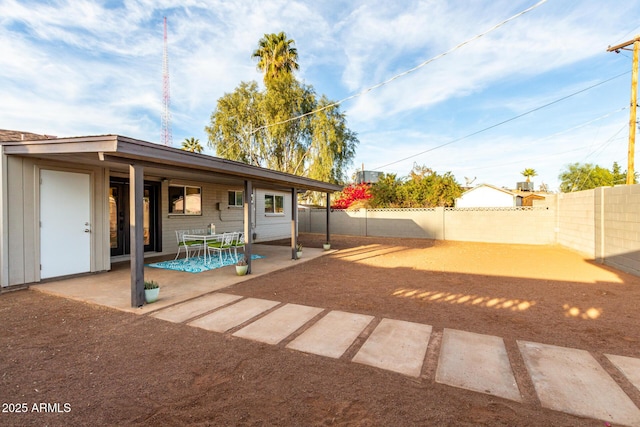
x=81 y=67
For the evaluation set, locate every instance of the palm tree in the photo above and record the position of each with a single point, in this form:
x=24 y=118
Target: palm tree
x=192 y=144
x=276 y=55
x=528 y=173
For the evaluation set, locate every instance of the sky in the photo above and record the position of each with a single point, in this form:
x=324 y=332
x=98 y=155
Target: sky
x=540 y=91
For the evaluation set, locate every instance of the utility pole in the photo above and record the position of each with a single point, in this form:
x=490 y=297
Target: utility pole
x=634 y=103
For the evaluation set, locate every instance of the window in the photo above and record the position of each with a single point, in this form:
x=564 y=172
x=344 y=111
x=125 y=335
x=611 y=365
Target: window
x=273 y=204
x=236 y=199
x=185 y=200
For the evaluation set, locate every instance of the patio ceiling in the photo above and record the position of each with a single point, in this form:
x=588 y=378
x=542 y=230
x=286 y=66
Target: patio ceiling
x=118 y=152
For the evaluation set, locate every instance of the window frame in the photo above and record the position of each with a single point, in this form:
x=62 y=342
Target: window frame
x=235 y=196
x=276 y=211
x=184 y=193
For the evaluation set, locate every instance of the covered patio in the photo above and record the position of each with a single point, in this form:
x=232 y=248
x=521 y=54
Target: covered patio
x=50 y=181
x=112 y=288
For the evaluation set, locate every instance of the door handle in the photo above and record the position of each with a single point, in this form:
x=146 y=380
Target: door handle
x=86 y=230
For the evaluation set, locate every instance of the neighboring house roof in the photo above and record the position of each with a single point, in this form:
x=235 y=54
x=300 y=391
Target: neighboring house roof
x=504 y=190
x=117 y=152
x=16 y=135
x=468 y=199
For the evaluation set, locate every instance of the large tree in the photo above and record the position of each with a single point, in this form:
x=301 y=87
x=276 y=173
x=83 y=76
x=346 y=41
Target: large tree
x=285 y=127
x=232 y=131
x=578 y=177
x=276 y=56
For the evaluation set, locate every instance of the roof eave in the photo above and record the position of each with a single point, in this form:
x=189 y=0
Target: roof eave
x=130 y=149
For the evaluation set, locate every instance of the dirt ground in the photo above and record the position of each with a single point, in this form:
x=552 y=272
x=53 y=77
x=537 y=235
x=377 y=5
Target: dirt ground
x=91 y=365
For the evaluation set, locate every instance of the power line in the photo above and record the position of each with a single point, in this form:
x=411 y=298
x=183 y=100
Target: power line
x=417 y=67
x=546 y=155
x=504 y=121
x=601 y=148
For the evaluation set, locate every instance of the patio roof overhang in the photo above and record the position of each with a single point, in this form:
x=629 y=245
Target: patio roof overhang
x=139 y=158
x=118 y=151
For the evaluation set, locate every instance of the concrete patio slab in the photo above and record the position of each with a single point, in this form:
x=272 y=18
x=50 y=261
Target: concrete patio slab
x=572 y=381
x=113 y=288
x=629 y=366
x=279 y=324
x=396 y=345
x=233 y=315
x=332 y=335
x=476 y=362
x=190 y=309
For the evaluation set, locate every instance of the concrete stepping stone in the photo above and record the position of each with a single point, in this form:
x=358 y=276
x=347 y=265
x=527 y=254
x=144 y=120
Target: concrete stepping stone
x=629 y=367
x=279 y=324
x=572 y=381
x=476 y=362
x=332 y=335
x=397 y=346
x=189 y=309
x=233 y=315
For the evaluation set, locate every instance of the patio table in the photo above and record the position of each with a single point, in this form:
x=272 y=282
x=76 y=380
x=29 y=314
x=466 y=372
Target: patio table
x=204 y=238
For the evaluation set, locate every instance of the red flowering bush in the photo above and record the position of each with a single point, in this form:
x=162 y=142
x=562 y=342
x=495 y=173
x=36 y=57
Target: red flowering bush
x=351 y=194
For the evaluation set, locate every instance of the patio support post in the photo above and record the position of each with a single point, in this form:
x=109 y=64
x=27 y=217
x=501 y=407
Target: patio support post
x=4 y=215
x=328 y=214
x=248 y=236
x=294 y=223
x=136 y=193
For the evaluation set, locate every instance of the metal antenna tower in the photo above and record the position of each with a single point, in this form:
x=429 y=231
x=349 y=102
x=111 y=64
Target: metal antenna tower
x=166 y=137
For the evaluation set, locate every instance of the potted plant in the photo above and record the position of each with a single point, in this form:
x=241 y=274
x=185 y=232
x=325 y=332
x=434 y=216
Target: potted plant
x=241 y=267
x=151 y=291
x=298 y=250
x=326 y=246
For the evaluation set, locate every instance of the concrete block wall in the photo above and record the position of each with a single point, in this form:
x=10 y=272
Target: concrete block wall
x=617 y=233
x=504 y=225
x=602 y=224
x=533 y=226
x=575 y=223
x=416 y=223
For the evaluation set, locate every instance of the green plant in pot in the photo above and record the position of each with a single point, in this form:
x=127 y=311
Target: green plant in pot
x=326 y=246
x=151 y=291
x=299 y=250
x=241 y=267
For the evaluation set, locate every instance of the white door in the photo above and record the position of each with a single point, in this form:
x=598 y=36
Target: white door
x=65 y=226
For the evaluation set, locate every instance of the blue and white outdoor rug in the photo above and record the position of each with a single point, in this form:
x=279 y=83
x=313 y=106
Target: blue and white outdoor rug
x=197 y=264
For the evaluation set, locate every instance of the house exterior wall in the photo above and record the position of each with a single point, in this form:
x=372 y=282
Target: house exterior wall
x=216 y=210
x=20 y=257
x=270 y=226
x=485 y=197
x=22 y=212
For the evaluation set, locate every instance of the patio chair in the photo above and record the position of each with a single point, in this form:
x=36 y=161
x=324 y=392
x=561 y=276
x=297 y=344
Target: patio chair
x=187 y=244
x=181 y=246
x=238 y=243
x=191 y=244
x=224 y=244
